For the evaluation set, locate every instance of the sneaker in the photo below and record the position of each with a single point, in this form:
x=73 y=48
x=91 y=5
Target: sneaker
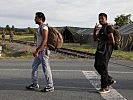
x=48 y=89
x=104 y=90
x=32 y=87
x=111 y=83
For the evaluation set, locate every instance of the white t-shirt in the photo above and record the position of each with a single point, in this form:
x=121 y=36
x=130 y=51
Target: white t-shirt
x=39 y=34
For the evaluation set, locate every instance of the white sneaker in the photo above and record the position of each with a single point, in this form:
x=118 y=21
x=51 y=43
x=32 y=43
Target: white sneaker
x=104 y=90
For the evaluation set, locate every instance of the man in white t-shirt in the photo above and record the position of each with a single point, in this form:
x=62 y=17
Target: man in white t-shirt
x=41 y=56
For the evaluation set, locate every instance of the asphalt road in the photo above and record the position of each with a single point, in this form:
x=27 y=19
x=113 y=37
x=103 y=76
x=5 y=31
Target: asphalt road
x=74 y=79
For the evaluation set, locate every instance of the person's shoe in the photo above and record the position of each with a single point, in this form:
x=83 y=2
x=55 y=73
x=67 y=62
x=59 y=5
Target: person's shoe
x=104 y=90
x=48 y=89
x=32 y=87
x=111 y=83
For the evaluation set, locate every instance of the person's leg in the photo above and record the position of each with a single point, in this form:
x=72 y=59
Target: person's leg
x=100 y=66
x=104 y=74
x=34 y=73
x=47 y=72
x=103 y=71
x=110 y=79
x=47 y=69
x=108 y=56
x=97 y=63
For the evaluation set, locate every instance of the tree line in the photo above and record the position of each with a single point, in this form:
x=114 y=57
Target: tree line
x=120 y=20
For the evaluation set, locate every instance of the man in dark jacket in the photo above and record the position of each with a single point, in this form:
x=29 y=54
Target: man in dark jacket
x=104 y=51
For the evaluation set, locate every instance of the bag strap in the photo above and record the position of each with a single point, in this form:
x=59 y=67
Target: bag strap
x=105 y=28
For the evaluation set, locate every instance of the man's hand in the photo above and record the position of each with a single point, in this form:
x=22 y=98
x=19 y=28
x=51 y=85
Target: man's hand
x=96 y=27
x=94 y=31
x=36 y=53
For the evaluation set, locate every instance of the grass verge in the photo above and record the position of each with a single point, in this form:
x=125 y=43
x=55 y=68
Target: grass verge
x=76 y=46
x=8 y=51
x=87 y=48
x=11 y=50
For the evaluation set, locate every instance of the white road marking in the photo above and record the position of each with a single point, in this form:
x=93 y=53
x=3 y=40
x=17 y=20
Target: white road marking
x=95 y=81
x=92 y=77
x=64 y=71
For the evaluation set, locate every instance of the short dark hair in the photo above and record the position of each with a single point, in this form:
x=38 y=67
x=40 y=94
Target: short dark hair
x=40 y=15
x=103 y=14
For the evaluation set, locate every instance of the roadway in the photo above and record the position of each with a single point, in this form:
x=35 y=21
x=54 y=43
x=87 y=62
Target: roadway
x=74 y=79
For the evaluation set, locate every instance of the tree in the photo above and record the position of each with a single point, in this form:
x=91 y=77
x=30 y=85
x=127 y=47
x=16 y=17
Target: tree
x=123 y=20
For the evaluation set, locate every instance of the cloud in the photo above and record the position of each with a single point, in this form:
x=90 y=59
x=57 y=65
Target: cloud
x=82 y=13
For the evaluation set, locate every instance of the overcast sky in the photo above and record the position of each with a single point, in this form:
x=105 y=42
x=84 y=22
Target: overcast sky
x=78 y=13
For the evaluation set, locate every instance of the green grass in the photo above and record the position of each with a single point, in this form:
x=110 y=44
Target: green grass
x=8 y=52
x=29 y=38
x=77 y=46
x=123 y=54
x=86 y=48
x=24 y=38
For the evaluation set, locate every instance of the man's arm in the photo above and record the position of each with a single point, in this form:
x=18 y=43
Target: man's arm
x=110 y=35
x=111 y=38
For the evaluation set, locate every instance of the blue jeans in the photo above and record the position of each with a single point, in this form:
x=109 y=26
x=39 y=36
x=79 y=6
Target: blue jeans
x=44 y=60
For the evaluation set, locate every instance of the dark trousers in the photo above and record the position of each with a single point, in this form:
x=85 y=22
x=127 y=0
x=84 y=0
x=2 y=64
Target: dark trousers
x=102 y=57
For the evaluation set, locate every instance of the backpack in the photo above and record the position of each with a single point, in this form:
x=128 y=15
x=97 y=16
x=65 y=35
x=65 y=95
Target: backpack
x=55 y=39
x=117 y=37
